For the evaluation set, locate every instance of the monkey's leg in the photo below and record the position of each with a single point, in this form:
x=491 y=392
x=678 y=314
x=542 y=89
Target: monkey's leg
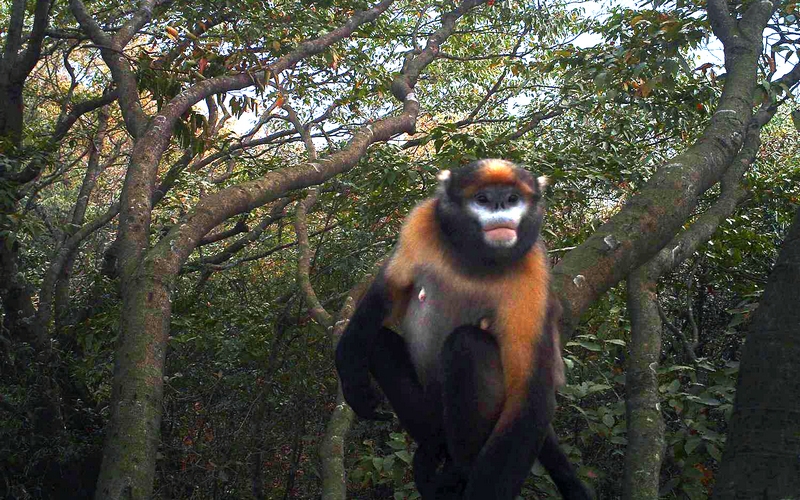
x=561 y=470
x=508 y=454
x=391 y=366
x=473 y=391
x=472 y=397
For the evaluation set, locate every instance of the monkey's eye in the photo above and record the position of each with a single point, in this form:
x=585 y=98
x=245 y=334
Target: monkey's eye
x=513 y=199
x=481 y=198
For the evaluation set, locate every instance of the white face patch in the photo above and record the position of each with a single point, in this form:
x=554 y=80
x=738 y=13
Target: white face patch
x=499 y=226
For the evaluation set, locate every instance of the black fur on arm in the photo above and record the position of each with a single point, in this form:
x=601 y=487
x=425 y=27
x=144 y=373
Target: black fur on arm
x=354 y=350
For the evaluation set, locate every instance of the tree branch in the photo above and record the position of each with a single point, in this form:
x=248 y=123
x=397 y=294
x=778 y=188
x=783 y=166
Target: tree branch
x=687 y=346
x=265 y=253
x=276 y=213
x=304 y=260
x=33 y=51
x=34 y=168
x=239 y=228
x=111 y=50
x=722 y=24
x=188 y=98
x=16 y=23
x=303 y=131
x=656 y=214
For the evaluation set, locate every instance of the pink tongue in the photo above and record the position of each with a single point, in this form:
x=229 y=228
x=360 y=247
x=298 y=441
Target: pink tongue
x=501 y=234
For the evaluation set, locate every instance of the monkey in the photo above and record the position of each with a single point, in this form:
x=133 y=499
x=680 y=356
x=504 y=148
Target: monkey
x=459 y=330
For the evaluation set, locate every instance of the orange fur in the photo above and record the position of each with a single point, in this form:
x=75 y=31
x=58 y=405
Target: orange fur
x=519 y=295
x=497 y=172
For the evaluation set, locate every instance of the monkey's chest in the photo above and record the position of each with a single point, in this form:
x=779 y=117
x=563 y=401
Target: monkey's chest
x=436 y=307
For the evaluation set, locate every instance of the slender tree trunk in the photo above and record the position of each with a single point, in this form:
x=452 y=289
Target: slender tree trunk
x=93 y=170
x=331 y=451
x=762 y=453
x=334 y=474
x=257 y=458
x=644 y=453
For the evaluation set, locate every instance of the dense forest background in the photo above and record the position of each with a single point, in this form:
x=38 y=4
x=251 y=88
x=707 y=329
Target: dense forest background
x=194 y=194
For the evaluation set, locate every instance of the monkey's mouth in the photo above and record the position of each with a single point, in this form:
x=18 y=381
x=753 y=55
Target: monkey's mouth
x=500 y=234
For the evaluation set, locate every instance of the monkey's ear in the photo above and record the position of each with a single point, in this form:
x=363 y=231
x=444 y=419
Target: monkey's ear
x=443 y=176
x=543 y=181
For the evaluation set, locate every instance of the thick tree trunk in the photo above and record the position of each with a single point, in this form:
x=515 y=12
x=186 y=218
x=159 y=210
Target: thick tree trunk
x=762 y=454
x=132 y=436
x=644 y=452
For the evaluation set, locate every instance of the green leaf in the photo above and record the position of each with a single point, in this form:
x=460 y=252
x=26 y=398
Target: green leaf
x=708 y=401
x=597 y=388
x=592 y=346
x=397 y=445
x=675 y=368
x=692 y=444
x=714 y=452
x=673 y=387
x=404 y=455
x=601 y=80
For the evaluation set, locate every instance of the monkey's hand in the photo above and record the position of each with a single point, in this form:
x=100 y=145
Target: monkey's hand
x=364 y=400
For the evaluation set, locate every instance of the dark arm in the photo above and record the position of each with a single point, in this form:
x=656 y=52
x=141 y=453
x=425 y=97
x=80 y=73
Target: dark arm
x=355 y=348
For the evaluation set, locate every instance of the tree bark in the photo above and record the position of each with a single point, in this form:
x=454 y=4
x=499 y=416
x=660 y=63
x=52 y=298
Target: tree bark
x=148 y=274
x=334 y=473
x=18 y=307
x=16 y=64
x=133 y=433
x=93 y=170
x=762 y=455
x=331 y=450
x=658 y=211
x=644 y=452
x=644 y=421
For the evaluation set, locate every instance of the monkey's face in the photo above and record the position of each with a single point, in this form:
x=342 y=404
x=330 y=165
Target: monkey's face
x=490 y=213
x=498 y=209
